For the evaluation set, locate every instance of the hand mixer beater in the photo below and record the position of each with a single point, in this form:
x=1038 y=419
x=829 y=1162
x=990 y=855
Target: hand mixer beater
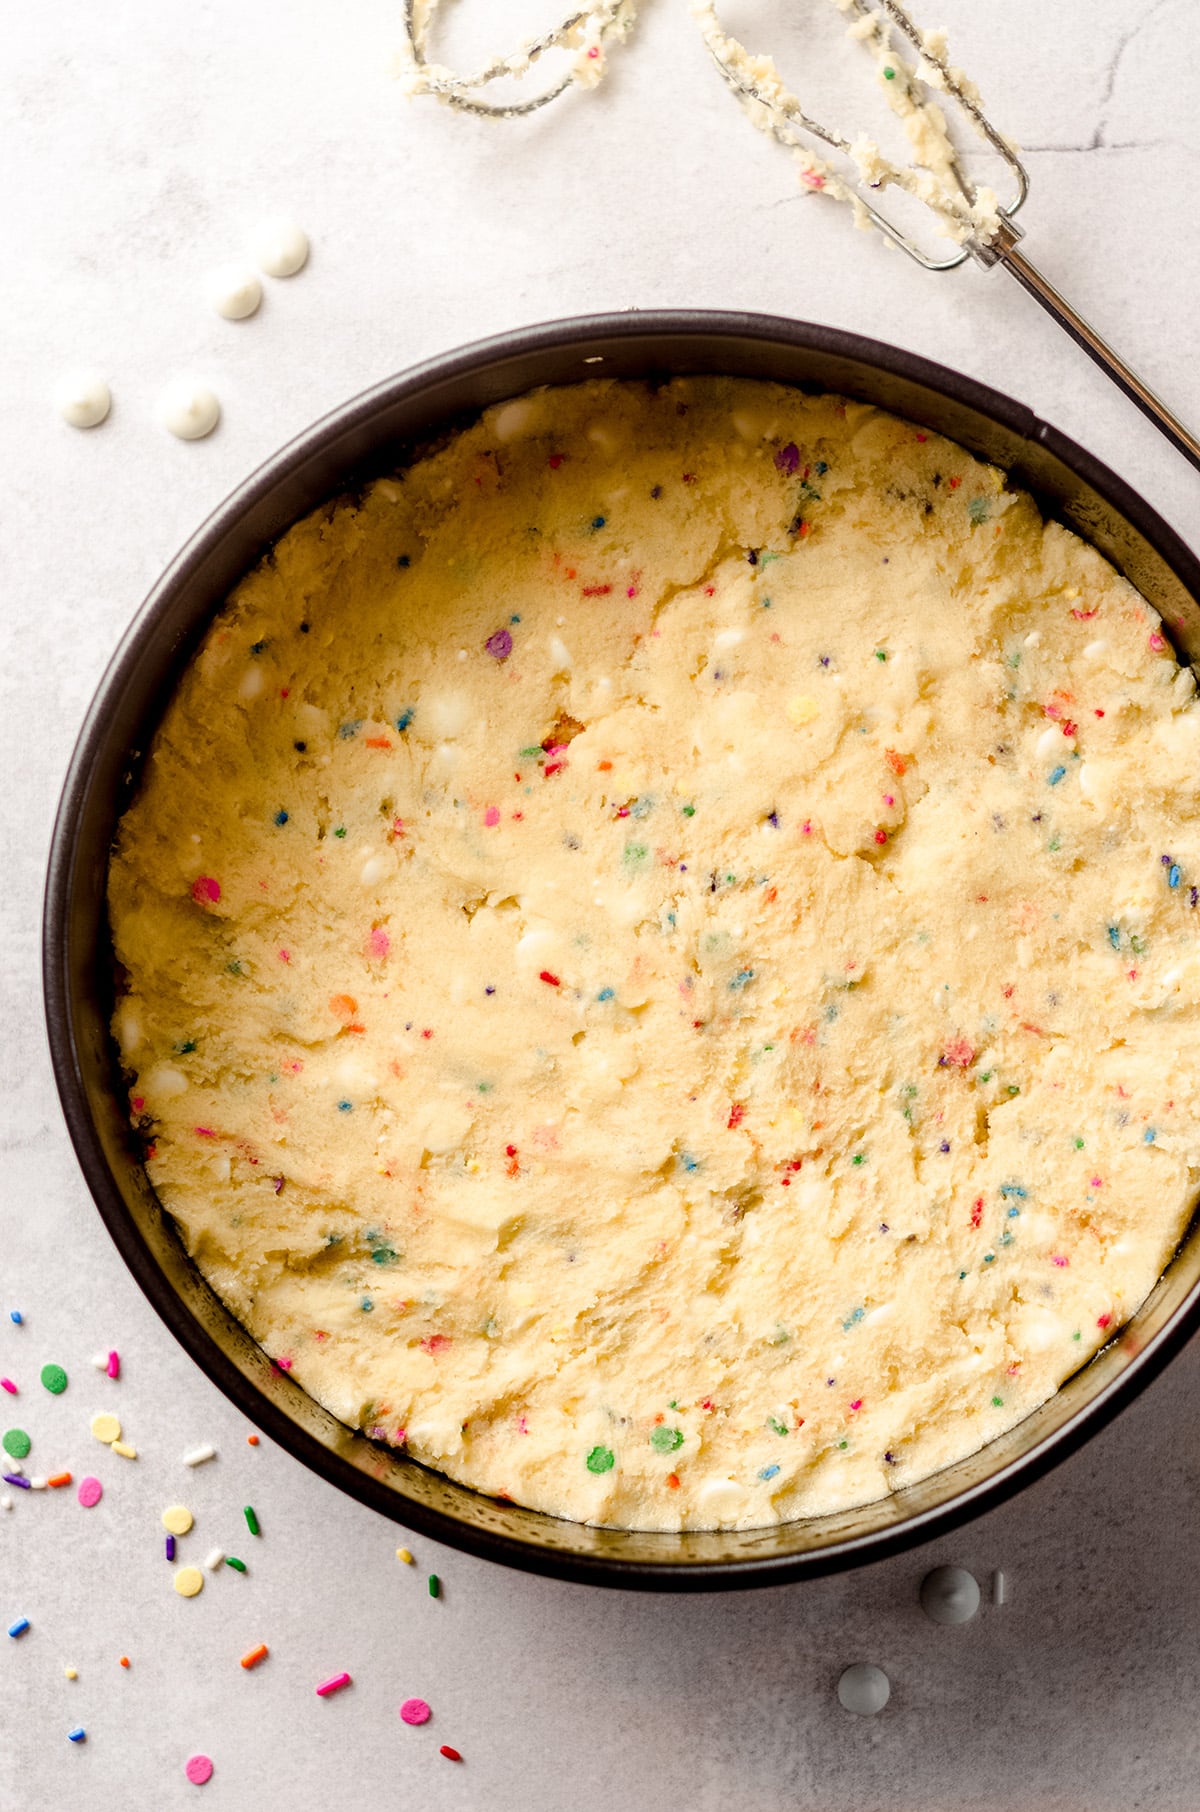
x=967 y=213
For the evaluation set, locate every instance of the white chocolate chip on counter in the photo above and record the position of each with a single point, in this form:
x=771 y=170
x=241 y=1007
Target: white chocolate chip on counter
x=281 y=246
x=187 y=408
x=233 y=291
x=82 y=398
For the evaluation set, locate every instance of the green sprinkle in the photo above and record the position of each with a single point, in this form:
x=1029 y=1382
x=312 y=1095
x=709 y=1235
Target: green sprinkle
x=531 y=753
x=1077 y=1335
x=978 y=510
x=665 y=1440
x=881 y=654
x=17 y=1443
x=997 y=1402
x=601 y=1459
x=776 y=1426
x=435 y=1585
x=54 y=1378
x=842 y=1444
x=1079 y=1144
x=889 y=75
x=383 y=1255
x=185 y=1047
x=1012 y=1089
x=636 y=855
x=860 y=1157
x=340 y=831
x=251 y=1520
x=689 y=811
x=239 y=1566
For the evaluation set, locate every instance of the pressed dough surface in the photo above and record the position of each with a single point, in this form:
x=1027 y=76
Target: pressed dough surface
x=660 y=954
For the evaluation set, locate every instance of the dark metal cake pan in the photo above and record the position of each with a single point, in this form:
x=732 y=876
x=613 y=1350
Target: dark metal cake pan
x=379 y=431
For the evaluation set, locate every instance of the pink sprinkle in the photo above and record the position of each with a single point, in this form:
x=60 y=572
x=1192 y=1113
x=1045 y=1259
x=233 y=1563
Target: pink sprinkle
x=283 y=1365
x=812 y=179
x=1102 y=1321
x=205 y=888
x=113 y=1368
x=1156 y=642
x=90 y=1492
x=491 y=816
x=959 y=1052
x=415 y=1711
x=593 y=52
x=379 y=943
x=631 y=592
x=137 y=1103
x=8 y=1385
x=1097 y=1183
x=806 y=828
x=334 y=1684
x=889 y=799
x=1058 y=1259
x=922 y=438
x=881 y=835
x=204 y=1132
x=285 y=956
x=856 y=1405
x=437 y=1343
x=198 y=1769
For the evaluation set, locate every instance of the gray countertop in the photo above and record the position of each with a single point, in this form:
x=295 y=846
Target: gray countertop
x=140 y=143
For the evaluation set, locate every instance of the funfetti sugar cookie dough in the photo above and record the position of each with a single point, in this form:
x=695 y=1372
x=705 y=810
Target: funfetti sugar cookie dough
x=659 y=954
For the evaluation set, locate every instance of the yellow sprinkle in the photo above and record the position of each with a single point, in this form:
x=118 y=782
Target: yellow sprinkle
x=177 y=1519
x=106 y=1427
x=404 y=1555
x=125 y=1450
x=72 y=1673
x=802 y=710
x=189 y=1581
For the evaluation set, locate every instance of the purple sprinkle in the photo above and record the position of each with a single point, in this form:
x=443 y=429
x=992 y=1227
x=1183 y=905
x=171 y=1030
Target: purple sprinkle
x=945 y=1145
x=1165 y=860
x=170 y=1547
x=883 y=1226
x=489 y=990
x=15 y=1478
x=499 y=645
x=890 y=1458
x=278 y=1182
x=788 y=458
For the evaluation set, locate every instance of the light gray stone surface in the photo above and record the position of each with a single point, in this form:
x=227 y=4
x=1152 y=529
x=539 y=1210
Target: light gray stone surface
x=139 y=144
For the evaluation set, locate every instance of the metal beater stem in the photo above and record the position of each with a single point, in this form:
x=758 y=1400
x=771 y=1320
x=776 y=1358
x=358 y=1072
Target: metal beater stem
x=1031 y=279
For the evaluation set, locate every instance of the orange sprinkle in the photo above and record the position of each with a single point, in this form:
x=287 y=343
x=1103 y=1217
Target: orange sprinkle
x=343 y=1006
x=255 y=1655
x=378 y=742
x=124 y=1660
x=60 y=1478
x=252 y=1440
x=673 y=1480
x=604 y=767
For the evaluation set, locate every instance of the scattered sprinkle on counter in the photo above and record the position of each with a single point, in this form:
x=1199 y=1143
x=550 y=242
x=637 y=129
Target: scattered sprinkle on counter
x=214 y=1558
x=16 y=1443
x=72 y=1673
x=15 y=1316
x=198 y=1769
x=251 y=1520
x=189 y=1581
x=177 y=1519
x=252 y=1440
x=58 y=1479
x=90 y=1492
x=435 y=1586
x=334 y=1684
x=451 y=1755
x=106 y=1427
x=125 y=1661
x=19 y=1627
x=196 y=1456
x=404 y=1555
x=78 y=1735
x=55 y=1379
x=239 y=1566
x=8 y=1385
x=255 y=1655
x=112 y=1365
x=415 y=1711
x=126 y=1449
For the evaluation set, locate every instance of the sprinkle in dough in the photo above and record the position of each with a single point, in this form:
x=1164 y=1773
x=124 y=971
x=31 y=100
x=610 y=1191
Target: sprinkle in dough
x=661 y=954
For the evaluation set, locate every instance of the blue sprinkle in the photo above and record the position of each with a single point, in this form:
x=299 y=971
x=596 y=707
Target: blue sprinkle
x=404 y=560
x=598 y=521
x=78 y=1735
x=820 y=468
x=1173 y=875
x=741 y=978
x=1013 y=1213
x=281 y=816
x=1114 y=937
x=19 y=1627
x=688 y=1162
x=404 y=719
x=945 y=1145
x=366 y=1303
x=16 y=1315
x=855 y=1317
x=515 y=619
x=1013 y=1189
x=989 y=1258
x=1149 y=1136
x=606 y=994
x=257 y=647
x=347 y=730
x=1056 y=776
x=768 y=1472
x=345 y=1106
